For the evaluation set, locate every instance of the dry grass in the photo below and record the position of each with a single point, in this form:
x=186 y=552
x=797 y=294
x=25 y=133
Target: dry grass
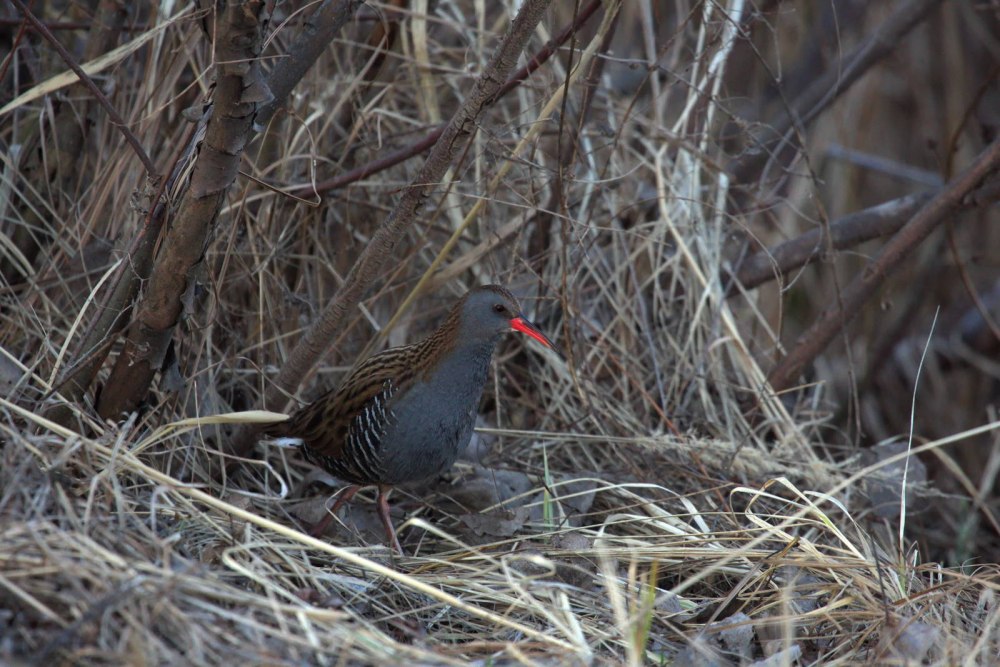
x=671 y=509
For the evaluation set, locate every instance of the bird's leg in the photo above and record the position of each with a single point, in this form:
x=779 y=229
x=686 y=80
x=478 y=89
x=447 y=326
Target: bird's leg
x=383 y=513
x=320 y=527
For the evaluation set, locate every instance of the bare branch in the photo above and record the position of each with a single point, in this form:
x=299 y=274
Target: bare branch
x=311 y=348
x=116 y=303
x=113 y=314
x=239 y=91
x=116 y=118
x=405 y=153
x=847 y=232
x=320 y=29
x=837 y=80
x=819 y=335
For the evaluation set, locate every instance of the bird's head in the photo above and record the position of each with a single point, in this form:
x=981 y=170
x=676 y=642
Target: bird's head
x=487 y=312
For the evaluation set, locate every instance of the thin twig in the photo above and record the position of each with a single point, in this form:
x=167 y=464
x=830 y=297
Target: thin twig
x=833 y=319
x=405 y=153
x=116 y=118
x=314 y=344
x=823 y=91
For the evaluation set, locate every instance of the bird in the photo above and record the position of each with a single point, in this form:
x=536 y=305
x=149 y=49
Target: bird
x=406 y=413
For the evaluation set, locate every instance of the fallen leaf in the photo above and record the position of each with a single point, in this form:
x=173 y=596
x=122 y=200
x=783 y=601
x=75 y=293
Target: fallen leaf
x=502 y=523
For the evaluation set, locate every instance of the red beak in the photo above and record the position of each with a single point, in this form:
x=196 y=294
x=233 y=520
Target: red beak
x=522 y=324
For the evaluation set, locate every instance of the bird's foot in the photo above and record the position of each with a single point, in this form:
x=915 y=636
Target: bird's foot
x=383 y=513
x=323 y=524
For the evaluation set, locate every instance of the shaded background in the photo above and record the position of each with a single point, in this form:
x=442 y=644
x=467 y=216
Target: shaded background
x=642 y=223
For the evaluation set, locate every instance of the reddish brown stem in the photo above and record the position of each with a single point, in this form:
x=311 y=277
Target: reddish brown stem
x=366 y=270
x=403 y=154
x=373 y=167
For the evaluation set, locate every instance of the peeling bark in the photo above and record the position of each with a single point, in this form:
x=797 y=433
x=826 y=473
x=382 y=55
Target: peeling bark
x=240 y=90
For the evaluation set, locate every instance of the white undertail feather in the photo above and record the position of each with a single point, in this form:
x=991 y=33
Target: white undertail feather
x=286 y=442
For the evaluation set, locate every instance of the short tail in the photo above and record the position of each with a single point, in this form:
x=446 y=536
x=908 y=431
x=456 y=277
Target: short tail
x=287 y=442
x=277 y=435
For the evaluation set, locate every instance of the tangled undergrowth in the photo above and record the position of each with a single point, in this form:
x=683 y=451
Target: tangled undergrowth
x=647 y=499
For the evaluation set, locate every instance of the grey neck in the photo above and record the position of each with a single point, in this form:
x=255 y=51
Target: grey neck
x=462 y=372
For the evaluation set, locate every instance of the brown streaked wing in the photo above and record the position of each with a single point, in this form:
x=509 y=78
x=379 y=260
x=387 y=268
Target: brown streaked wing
x=324 y=424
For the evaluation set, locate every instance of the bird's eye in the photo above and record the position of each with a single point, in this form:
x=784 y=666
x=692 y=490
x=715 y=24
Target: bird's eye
x=499 y=308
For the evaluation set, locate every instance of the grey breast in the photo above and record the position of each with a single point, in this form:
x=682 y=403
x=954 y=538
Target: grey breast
x=432 y=423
